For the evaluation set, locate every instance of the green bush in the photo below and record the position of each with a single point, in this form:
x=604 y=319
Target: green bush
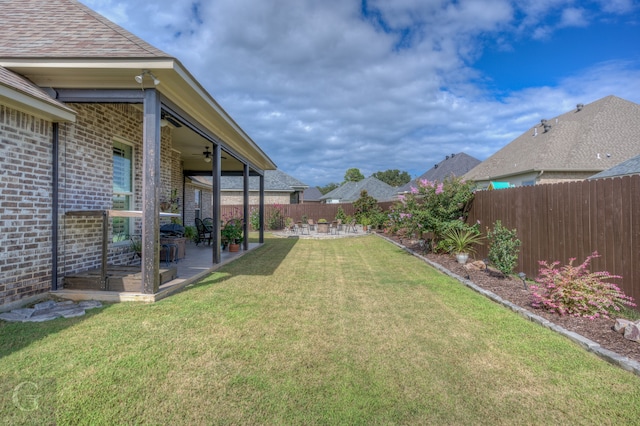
x=275 y=217
x=435 y=207
x=254 y=219
x=504 y=247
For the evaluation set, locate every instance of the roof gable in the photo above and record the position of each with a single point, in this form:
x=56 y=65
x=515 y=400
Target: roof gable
x=594 y=137
x=36 y=28
x=629 y=167
x=274 y=180
x=350 y=191
x=454 y=165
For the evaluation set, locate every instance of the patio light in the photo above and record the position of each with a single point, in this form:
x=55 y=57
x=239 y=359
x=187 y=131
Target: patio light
x=140 y=78
x=522 y=276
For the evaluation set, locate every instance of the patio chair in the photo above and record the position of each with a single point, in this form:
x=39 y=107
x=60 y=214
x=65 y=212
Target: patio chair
x=334 y=227
x=351 y=226
x=303 y=227
x=312 y=225
x=204 y=233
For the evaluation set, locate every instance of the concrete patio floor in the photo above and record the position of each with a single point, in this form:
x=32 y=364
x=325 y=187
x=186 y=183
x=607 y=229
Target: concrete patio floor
x=197 y=263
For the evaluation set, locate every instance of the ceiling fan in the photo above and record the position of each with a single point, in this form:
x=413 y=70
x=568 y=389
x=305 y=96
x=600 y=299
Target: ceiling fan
x=208 y=155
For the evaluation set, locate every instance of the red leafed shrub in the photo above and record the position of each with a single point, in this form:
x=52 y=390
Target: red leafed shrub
x=574 y=290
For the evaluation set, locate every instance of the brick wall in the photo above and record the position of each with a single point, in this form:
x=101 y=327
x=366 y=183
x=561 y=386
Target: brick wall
x=237 y=197
x=25 y=207
x=85 y=179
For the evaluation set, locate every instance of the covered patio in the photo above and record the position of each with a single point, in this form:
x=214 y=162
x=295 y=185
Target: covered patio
x=195 y=266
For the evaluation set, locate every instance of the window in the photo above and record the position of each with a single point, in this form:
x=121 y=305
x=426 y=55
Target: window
x=122 y=188
x=197 y=203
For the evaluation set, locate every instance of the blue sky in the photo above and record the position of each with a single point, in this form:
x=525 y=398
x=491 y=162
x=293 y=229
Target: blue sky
x=326 y=85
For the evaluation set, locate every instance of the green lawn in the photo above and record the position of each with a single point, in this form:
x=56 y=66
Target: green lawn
x=351 y=331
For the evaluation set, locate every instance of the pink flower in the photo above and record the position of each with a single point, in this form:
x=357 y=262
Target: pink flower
x=414 y=190
x=439 y=189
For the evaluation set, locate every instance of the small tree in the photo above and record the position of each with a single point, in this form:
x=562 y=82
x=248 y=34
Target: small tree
x=393 y=177
x=504 y=247
x=365 y=206
x=432 y=207
x=353 y=175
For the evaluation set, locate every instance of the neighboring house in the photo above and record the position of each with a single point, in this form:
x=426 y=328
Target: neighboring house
x=570 y=147
x=350 y=191
x=452 y=165
x=279 y=188
x=312 y=195
x=626 y=168
x=96 y=126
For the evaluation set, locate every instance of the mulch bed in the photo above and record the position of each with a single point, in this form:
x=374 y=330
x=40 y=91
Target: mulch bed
x=600 y=330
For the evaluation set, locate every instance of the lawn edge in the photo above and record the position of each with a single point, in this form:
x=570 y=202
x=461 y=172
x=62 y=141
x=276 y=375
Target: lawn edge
x=614 y=358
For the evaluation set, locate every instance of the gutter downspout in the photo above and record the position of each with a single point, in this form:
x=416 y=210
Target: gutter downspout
x=539 y=174
x=54 y=205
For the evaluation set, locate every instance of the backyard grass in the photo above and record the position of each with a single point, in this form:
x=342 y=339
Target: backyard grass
x=350 y=331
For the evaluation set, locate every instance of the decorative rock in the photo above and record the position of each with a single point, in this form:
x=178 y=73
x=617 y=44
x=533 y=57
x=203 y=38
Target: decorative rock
x=12 y=317
x=632 y=332
x=45 y=305
x=621 y=324
x=27 y=312
x=72 y=312
x=49 y=310
x=478 y=265
x=90 y=304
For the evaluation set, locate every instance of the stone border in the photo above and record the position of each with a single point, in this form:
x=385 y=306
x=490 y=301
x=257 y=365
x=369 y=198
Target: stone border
x=591 y=346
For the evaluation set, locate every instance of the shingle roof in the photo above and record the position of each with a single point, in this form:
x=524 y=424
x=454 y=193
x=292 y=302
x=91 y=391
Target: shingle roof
x=350 y=191
x=312 y=194
x=453 y=165
x=36 y=28
x=629 y=167
x=274 y=180
x=20 y=84
x=598 y=136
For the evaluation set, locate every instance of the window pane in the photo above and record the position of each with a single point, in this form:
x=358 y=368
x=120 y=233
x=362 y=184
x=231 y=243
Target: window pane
x=122 y=188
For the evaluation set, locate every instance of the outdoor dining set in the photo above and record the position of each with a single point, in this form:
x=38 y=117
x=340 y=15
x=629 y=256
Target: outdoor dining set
x=333 y=228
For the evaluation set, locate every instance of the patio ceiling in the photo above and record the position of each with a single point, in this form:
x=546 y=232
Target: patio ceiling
x=176 y=85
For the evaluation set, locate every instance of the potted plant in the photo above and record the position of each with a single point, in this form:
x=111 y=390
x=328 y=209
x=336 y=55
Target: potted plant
x=190 y=233
x=461 y=241
x=323 y=226
x=365 y=222
x=232 y=233
x=136 y=246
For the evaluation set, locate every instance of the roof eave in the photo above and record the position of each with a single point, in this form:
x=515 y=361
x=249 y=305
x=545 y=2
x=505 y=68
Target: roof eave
x=176 y=83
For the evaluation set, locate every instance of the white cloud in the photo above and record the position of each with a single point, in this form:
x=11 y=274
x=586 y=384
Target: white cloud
x=322 y=88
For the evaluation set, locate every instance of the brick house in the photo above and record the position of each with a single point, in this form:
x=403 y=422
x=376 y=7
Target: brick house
x=97 y=126
x=573 y=146
x=279 y=188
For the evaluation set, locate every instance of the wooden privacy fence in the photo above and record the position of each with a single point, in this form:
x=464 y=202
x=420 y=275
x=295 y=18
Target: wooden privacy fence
x=566 y=220
x=553 y=222
x=296 y=211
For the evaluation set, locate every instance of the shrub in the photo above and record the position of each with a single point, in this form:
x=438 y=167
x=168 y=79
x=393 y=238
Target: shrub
x=432 y=207
x=504 y=247
x=365 y=206
x=574 y=290
x=275 y=217
x=254 y=219
x=340 y=215
x=461 y=240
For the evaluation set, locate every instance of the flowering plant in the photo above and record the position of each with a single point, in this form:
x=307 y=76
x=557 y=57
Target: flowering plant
x=574 y=290
x=432 y=207
x=232 y=231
